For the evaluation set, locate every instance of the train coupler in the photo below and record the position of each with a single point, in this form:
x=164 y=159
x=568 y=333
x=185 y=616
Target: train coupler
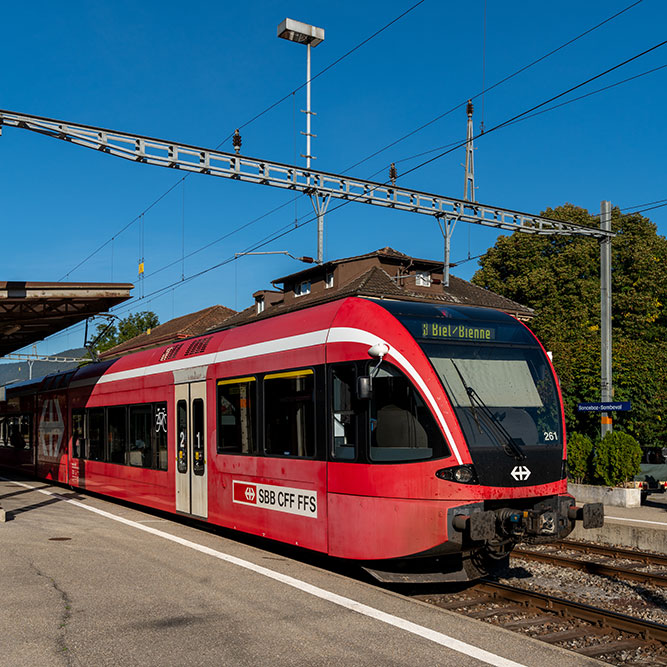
x=591 y=514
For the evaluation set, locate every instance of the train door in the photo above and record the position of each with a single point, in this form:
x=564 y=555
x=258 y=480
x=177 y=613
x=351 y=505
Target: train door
x=191 y=474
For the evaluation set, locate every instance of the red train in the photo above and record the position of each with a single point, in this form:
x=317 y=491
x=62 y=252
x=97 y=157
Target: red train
x=422 y=440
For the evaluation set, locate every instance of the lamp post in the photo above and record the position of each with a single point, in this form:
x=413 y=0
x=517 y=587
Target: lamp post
x=302 y=33
x=311 y=36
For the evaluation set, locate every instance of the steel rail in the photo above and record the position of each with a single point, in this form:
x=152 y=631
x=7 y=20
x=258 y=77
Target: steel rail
x=592 y=567
x=647 y=629
x=613 y=552
x=149 y=150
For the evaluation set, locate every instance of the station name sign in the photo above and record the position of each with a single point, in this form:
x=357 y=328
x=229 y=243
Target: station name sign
x=442 y=331
x=622 y=406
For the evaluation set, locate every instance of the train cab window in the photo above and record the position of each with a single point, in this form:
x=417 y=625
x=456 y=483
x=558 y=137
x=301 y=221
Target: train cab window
x=402 y=426
x=79 y=434
x=182 y=441
x=345 y=412
x=117 y=434
x=96 y=434
x=236 y=416
x=160 y=430
x=198 y=437
x=289 y=413
x=140 y=444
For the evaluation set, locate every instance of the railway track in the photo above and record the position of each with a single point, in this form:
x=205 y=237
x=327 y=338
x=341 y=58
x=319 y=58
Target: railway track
x=555 y=554
x=587 y=630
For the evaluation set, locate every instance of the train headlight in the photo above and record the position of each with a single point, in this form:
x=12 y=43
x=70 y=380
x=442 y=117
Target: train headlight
x=464 y=474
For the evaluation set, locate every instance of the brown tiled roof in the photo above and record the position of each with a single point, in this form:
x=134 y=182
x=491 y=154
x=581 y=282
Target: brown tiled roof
x=186 y=326
x=376 y=282
x=385 y=252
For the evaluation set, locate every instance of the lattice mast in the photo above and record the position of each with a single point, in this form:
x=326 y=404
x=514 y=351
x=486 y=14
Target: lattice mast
x=469 y=186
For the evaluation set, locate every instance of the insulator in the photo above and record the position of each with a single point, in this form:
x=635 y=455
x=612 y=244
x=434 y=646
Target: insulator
x=236 y=141
x=469 y=108
x=393 y=174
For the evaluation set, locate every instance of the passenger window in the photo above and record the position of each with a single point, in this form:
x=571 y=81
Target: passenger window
x=96 y=434
x=160 y=422
x=141 y=449
x=198 y=437
x=117 y=434
x=79 y=434
x=345 y=412
x=402 y=426
x=182 y=442
x=289 y=413
x=236 y=416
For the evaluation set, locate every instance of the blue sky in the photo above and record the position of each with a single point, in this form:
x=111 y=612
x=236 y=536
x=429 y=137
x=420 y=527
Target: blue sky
x=193 y=72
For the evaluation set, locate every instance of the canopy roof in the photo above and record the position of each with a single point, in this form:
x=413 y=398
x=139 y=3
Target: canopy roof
x=32 y=311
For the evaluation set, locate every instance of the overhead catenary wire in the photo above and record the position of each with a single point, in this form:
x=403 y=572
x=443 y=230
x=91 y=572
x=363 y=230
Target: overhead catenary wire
x=292 y=227
x=491 y=87
x=519 y=120
x=376 y=33
x=506 y=123
x=248 y=122
x=454 y=144
x=495 y=128
x=514 y=118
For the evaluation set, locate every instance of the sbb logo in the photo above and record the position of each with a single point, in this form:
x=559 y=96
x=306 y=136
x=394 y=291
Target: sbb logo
x=245 y=493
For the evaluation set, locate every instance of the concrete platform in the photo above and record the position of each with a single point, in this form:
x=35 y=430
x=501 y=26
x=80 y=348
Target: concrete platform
x=88 y=582
x=642 y=527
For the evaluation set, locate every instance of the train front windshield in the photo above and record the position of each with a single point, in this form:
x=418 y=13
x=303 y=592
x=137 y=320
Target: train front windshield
x=502 y=395
x=496 y=376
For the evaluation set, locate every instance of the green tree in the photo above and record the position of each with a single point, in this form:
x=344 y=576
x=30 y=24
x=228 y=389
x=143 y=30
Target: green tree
x=125 y=329
x=559 y=276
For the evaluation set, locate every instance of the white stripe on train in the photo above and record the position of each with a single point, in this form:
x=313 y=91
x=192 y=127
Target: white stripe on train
x=300 y=341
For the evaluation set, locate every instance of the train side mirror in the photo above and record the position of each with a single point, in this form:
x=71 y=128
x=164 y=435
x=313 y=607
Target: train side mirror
x=364 y=388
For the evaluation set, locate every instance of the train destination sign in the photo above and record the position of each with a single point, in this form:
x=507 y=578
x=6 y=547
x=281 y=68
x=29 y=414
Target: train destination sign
x=621 y=406
x=440 y=331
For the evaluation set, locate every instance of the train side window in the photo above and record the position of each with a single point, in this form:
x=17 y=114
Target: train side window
x=160 y=421
x=117 y=434
x=198 y=437
x=236 y=416
x=289 y=413
x=182 y=436
x=402 y=426
x=96 y=434
x=140 y=444
x=79 y=434
x=345 y=412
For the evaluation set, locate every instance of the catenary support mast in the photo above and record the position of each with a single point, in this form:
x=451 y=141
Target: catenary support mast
x=605 y=316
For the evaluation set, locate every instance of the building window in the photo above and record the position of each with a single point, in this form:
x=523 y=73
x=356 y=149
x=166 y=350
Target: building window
x=259 y=302
x=328 y=281
x=423 y=279
x=302 y=288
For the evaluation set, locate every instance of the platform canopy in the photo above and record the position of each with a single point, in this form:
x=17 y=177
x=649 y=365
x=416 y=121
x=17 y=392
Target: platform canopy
x=32 y=311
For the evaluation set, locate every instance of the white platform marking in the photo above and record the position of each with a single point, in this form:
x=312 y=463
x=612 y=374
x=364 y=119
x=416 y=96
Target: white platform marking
x=621 y=518
x=347 y=603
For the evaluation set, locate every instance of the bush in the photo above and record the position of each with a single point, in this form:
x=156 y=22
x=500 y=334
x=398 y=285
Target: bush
x=579 y=458
x=616 y=459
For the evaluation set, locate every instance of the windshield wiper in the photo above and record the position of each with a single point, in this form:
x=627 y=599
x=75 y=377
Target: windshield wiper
x=509 y=444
